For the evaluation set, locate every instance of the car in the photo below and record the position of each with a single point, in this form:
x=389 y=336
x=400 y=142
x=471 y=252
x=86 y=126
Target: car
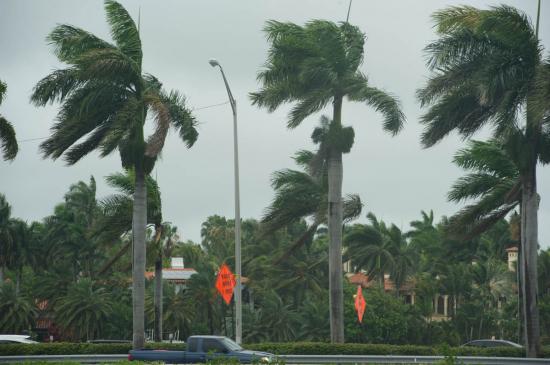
x=4 y=339
x=492 y=343
x=201 y=349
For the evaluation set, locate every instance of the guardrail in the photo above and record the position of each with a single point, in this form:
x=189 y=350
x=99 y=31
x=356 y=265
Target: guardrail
x=304 y=359
x=398 y=359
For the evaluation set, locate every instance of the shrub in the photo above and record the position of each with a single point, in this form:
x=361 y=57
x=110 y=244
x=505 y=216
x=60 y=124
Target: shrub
x=290 y=348
x=62 y=348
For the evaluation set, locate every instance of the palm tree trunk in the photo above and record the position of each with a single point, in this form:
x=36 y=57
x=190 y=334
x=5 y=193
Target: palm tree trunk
x=158 y=297
x=17 y=281
x=1 y=274
x=114 y=259
x=335 y=216
x=139 y=223
x=529 y=245
x=158 y=283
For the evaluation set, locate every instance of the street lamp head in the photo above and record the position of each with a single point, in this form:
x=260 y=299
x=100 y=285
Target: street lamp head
x=213 y=62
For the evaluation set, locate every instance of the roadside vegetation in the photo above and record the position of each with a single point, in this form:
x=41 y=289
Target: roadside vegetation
x=79 y=273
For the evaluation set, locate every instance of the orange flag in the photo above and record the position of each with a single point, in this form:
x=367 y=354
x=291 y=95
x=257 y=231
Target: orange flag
x=360 y=304
x=225 y=283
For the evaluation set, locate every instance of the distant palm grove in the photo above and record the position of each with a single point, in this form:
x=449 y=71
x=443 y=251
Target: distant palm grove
x=94 y=268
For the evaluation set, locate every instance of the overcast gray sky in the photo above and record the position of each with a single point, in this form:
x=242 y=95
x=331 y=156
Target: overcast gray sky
x=395 y=177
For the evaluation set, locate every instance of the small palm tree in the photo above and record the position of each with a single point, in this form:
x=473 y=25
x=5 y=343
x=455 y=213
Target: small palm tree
x=17 y=311
x=380 y=249
x=6 y=236
x=117 y=219
x=84 y=310
x=7 y=133
x=304 y=194
x=312 y=66
x=106 y=98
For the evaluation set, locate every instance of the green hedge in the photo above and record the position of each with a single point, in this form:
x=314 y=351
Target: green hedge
x=319 y=348
x=62 y=348
x=294 y=348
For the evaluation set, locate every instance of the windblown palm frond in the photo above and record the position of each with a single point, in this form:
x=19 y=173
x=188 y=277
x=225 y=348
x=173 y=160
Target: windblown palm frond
x=484 y=64
x=310 y=65
x=105 y=98
x=493 y=182
x=8 y=142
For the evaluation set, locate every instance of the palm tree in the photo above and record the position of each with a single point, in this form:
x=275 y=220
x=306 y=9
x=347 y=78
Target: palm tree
x=84 y=310
x=106 y=98
x=20 y=253
x=381 y=249
x=425 y=238
x=164 y=243
x=117 y=219
x=455 y=281
x=314 y=65
x=488 y=69
x=6 y=236
x=491 y=281
x=18 y=312
x=304 y=194
x=7 y=133
x=493 y=180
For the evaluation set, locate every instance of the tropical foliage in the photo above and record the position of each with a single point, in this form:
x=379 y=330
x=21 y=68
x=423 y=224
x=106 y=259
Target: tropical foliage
x=80 y=273
x=106 y=98
x=8 y=142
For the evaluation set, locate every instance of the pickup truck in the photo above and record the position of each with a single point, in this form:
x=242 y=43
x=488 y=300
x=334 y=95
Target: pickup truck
x=201 y=349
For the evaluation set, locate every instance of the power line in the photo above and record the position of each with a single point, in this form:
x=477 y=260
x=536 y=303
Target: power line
x=200 y=108
x=211 y=106
x=31 y=139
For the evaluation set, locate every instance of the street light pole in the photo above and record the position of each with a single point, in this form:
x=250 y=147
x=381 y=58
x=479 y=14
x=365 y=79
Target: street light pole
x=238 y=287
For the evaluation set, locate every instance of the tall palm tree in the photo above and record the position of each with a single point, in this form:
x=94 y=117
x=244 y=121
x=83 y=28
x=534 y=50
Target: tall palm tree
x=304 y=194
x=493 y=180
x=488 y=69
x=312 y=66
x=7 y=133
x=106 y=98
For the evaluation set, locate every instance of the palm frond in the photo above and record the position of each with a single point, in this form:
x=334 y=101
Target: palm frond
x=3 y=89
x=352 y=207
x=124 y=31
x=485 y=62
x=8 y=140
x=70 y=43
x=182 y=118
x=384 y=103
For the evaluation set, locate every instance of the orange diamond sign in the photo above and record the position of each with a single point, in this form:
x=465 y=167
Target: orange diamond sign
x=360 y=304
x=225 y=283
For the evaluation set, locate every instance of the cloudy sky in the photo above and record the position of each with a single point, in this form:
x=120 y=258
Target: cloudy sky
x=394 y=176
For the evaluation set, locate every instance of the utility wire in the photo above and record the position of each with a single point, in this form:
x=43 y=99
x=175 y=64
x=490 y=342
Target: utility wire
x=211 y=106
x=31 y=139
x=199 y=108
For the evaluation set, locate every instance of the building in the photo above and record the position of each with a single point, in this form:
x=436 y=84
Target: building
x=177 y=274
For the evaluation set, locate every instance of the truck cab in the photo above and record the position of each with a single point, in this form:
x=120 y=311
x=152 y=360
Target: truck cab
x=201 y=349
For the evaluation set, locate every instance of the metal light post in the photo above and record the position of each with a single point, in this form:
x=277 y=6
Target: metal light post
x=238 y=288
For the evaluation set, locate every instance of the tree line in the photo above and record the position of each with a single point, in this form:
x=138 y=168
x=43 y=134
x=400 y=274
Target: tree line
x=487 y=69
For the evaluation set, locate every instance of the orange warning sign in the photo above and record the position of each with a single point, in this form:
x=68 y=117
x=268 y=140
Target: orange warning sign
x=225 y=283
x=360 y=304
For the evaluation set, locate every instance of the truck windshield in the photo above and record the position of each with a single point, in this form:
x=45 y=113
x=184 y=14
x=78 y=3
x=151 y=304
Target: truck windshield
x=231 y=345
